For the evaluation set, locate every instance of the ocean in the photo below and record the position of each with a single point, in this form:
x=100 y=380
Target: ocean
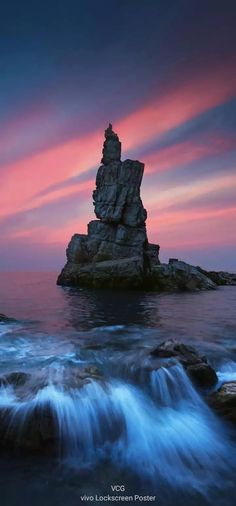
x=131 y=431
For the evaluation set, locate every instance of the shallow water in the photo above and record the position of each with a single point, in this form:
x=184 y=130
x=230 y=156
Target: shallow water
x=151 y=431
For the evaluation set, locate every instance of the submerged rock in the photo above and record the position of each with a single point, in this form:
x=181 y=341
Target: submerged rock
x=115 y=252
x=224 y=401
x=17 y=378
x=6 y=319
x=196 y=366
x=30 y=406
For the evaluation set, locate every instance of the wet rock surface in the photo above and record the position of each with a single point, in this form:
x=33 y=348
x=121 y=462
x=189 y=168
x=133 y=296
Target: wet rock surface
x=224 y=401
x=196 y=366
x=16 y=379
x=29 y=423
x=177 y=275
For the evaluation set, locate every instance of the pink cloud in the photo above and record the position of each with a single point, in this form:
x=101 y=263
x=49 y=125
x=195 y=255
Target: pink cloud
x=24 y=179
x=187 y=152
x=190 y=228
x=178 y=106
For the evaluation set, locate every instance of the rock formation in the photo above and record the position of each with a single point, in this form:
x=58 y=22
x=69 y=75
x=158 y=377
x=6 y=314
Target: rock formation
x=29 y=425
x=115 y=252
x=224 y=401
x=196 y=366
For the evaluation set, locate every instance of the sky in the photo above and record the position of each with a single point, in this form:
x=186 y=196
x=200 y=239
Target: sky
x=164 y=73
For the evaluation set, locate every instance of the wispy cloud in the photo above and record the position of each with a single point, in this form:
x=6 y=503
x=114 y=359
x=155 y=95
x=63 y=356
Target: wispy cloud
x=47 y=195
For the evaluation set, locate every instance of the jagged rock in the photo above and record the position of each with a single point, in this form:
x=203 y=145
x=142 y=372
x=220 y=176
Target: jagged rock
x=34 y=427
x=121 y=273
x=111 y=147
x=220 y=278
x=116 y=253
x=224 y=401
x=196 y=366
x=177 y=275
x=117 y=195
x=17 y=378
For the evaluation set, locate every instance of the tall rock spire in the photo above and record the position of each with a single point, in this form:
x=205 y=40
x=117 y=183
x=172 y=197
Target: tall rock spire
x=115 y=252
x=117 y=195
x=112 y=147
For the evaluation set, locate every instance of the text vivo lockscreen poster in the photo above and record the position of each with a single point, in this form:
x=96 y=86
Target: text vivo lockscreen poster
x=117 y=252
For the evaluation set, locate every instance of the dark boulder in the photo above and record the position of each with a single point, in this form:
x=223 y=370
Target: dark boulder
x=224 y=401
x=196 y=366
x=179 y=276
x=34 y=427
x=16 y=379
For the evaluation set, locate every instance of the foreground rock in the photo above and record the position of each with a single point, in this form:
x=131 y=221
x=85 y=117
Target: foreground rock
x=30 y=424
x=224 y=401
x=196 y=366
x=115 y=253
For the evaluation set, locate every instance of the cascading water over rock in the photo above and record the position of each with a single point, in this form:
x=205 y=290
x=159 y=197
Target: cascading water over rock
x=167 y=435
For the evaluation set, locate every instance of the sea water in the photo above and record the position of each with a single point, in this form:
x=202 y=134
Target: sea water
x=148 y=431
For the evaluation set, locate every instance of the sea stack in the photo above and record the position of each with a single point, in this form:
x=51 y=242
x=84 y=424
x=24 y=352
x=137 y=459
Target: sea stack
x=115 y=252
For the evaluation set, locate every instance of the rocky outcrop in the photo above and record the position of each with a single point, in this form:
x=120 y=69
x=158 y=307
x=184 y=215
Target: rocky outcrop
x=224 y=401
x=115 y=252
x=177 y=275
x=28 y=424
x=18 y=378
x=220 y=278
x=196 y=366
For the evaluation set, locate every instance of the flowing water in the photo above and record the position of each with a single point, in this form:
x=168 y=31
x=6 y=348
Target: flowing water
x=147 y=429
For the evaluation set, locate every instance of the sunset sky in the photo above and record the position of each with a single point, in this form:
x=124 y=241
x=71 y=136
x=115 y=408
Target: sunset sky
x=164 y=73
